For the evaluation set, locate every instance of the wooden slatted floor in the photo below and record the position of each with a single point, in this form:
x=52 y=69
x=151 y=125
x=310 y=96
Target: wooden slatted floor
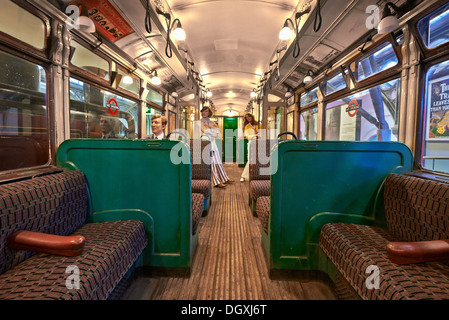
x=229 y=262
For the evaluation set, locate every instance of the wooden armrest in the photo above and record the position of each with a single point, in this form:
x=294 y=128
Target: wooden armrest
x=418 y=251
x=47 y=243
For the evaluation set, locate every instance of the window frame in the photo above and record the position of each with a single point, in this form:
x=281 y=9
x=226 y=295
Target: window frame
x=426 y=52
x=355 y=91
x=46 y=65
x=22 y=46
x=123 y=90
x=376 y=78
x=89 y=76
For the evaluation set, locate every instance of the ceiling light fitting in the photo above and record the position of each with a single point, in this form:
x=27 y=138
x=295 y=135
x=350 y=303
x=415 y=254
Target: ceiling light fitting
x=178 y=33
x=83 y=22
x=308 y=78
x=155 y=80
x=286 y=33
x=389 y=21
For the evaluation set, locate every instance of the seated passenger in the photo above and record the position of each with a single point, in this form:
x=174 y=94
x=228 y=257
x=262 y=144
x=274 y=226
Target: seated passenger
x=106 y=126
x=158 y=124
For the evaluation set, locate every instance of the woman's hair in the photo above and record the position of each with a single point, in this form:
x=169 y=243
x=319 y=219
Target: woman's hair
x=245 y=121
x=208 y=109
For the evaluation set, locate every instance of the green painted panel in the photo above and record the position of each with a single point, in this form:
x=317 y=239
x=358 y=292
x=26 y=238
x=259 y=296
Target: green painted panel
x=139 y=174
x=309 y=178
x=230 y=138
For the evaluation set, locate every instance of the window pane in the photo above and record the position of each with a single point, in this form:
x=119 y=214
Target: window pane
x=433 y=28
x=89 y=61
x=436 y=142
x=370 y=115
x=382 y=59
x=308 y=123
x=129 y=82
x=154 y=97
x=290 y=123
x=24 y=139
x=96 y=113
x=309 y=97
x=334 y=84
x=22 y=25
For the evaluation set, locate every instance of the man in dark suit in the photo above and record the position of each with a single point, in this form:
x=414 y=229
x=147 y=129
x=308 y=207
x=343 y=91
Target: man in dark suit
x=158 y=124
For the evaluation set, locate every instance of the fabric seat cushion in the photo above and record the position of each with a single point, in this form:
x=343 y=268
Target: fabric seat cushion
x=202 y=186
x=111 y=248
x=259 y=188
x=197 y=210
x=263 y=211
x=352 y=248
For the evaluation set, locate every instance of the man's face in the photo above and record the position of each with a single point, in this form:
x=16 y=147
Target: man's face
x=105 y=126
x=156 y=126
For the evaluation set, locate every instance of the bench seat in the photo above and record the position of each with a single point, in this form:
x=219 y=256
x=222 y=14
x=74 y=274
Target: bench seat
x=259 y=188
x=202 y=186
x=111 y=249
x=352 y=248
x=197 y=210
x=416 y=209
x=263 y=211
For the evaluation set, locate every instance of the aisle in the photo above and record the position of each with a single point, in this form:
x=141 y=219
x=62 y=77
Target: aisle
x=229 y=262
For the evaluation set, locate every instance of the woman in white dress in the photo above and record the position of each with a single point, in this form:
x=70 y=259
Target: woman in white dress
x=210 y=129
x=250 y=127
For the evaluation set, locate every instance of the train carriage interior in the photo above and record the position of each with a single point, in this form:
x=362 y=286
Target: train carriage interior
x=231 y=150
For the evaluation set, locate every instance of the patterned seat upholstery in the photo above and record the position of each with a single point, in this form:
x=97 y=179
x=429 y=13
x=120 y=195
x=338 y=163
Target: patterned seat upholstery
x=259 y=188
x=263 y=211
x=110 y=250
x=197 y=210
x=202 y=186
x=416 y=209
x=58 y=204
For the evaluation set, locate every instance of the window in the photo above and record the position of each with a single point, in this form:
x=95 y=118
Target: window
x=433 y=28
x=369 y=115
x=97 y=113
x=24 y=136
x=290 y=122
x=22 y=25
x=382 y=59
x=154 y=97
x=436 y=140
x=308 y=124
x=309 y=97
x=89 y=61
x=334 y=84
x=128 y=82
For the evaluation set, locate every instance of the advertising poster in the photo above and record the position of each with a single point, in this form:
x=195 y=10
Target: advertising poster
x=438 y=109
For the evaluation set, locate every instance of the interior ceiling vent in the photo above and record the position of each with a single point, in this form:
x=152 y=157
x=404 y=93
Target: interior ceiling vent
x=225 y=44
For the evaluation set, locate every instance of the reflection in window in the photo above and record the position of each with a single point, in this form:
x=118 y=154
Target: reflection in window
x=24 y=138
x=433 y=27
x=89 y=61
x=334 y=84
x=436 y=140
x=382 y=59
x=96 y=113
x=370 y=115
x=309 y=97
x=308 y=124
x=128 y=82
